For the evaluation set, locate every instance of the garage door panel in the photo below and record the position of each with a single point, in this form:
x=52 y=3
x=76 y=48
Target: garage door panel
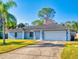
x=55 y=35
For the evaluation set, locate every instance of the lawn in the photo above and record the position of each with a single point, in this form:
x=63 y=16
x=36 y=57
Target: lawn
x=14 y=44
x=70 y=51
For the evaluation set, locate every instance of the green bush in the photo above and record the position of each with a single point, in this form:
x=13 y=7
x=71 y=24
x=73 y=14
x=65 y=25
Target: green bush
x=76 y=39
x=0 y=37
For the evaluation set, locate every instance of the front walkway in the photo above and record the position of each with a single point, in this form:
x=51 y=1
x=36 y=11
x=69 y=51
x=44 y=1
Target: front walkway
x=43 y=50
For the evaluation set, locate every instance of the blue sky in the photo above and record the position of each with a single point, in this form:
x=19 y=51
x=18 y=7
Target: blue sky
x=27 y=10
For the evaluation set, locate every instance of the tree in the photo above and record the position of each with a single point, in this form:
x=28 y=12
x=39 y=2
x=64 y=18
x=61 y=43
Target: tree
x=5 y=15
x=0 y=25
x=68 y=24
x=11 y=23
x=46 y=13
x=75 y=25
x=26 y=24
x=72 y=25
x=38 y=22
x=21 y=25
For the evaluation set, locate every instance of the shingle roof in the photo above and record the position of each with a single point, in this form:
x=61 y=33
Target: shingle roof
x=53 y=26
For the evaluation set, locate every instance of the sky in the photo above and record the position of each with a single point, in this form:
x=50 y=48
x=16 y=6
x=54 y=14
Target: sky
x=27 y=10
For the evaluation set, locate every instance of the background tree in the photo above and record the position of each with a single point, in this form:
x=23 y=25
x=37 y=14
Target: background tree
x=5 y=15
x=38 y=22
x=21 y=25
x=0 y=29
x=26 y=24
x=75 y=25
x=68 y=24
x=46 y=13
x=72 y=25
x=0 y=25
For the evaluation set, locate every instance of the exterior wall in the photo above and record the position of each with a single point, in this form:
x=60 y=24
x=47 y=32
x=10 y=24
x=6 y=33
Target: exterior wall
x=11 y=35
x=37 y=34
x=26 y=35
x=42 y=35
x=55 y=35
x=20 y=35
x=34 y=37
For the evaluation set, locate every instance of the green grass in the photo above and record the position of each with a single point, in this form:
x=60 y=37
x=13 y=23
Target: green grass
x=70 y=51
x=14 y=44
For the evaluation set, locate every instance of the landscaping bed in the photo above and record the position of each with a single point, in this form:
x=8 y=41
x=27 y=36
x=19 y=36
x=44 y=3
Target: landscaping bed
x=14 y=44
x=70 y=51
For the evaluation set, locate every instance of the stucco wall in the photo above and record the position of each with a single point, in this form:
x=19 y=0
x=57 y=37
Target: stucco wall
x=26 y=35
x=20 y=35
x=37 y=34
x=11 y=35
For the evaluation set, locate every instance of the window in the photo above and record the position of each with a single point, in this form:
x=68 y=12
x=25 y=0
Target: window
x=15 y=34
x=31 y=34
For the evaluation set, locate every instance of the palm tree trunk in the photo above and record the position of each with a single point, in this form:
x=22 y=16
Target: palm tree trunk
x=4 y=32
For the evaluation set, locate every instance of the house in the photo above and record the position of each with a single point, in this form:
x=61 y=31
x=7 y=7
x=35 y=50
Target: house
x=49 y=31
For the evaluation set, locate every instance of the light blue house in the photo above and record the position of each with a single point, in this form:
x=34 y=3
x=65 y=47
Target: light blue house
x=51 y=31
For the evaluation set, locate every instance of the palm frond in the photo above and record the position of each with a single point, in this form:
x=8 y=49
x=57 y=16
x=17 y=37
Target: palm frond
x=10 y=4
x=11 y=21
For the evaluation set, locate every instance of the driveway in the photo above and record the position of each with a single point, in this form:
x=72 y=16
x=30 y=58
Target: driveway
x=43 y=50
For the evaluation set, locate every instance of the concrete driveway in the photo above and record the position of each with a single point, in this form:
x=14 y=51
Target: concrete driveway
x=43 y=50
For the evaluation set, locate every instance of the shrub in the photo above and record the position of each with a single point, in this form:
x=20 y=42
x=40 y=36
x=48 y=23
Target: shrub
x=76 y=39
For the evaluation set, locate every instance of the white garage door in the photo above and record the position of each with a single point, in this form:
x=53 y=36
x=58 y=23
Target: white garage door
x=55 y=35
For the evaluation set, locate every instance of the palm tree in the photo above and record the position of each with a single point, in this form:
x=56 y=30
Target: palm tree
x=4 y=14
x=75 y=25
x=68 y=24
x=11 y=22
x=72 y=25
